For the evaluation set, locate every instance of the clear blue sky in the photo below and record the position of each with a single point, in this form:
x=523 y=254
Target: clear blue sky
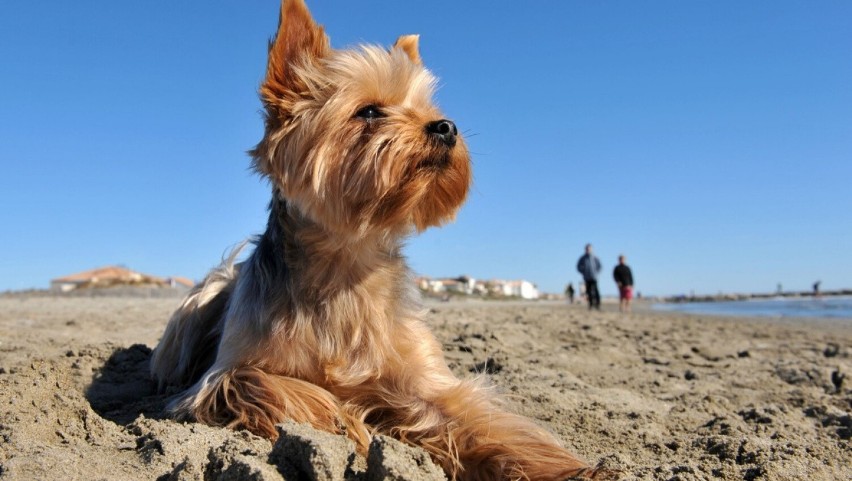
x=711 y=142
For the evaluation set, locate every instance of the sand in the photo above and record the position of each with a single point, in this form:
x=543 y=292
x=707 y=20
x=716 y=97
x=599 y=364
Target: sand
x=659 y=396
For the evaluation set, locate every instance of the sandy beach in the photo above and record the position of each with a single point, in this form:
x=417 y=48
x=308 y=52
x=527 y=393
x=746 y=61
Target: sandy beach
x=660 y=396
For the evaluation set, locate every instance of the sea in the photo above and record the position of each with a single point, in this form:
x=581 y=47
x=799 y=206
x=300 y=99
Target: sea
x=830 y=307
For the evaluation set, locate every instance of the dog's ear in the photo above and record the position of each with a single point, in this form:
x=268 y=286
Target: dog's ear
x=409 y=45
x=299 y=41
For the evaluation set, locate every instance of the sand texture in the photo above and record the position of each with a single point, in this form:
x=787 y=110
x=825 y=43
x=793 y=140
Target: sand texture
x=660 y=396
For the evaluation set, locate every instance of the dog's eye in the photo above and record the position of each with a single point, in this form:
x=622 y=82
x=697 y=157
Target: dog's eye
x=370 y=112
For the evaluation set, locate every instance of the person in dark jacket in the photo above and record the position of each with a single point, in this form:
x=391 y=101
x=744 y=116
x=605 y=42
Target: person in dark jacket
x=624 y=279
x=590 y=267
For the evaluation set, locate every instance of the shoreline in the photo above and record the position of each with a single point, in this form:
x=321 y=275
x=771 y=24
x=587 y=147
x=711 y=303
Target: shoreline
x=787 y=310
x=757 y=295
x=659 y=395
x=646 y=307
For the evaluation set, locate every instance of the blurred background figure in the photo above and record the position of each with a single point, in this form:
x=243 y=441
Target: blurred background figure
x=590 y=267
x=624 y=279
x=569 y=293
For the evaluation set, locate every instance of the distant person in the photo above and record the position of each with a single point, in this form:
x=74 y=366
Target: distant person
x=590 y=267
x=624 y=279
x=816 y=288
x=569 y=293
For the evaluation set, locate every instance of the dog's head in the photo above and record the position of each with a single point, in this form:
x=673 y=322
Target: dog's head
x=353 y=139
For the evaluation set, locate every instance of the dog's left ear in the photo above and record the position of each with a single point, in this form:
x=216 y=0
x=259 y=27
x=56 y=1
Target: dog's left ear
x=410 y=45
x=299 y=41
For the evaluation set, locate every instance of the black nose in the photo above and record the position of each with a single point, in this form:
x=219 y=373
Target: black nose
x=444 y=130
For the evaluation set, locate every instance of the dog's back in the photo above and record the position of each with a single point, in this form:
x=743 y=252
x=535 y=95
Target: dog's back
x=189 y=344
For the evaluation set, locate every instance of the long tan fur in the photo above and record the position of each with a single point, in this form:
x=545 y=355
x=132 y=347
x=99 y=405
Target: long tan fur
x=321 y=323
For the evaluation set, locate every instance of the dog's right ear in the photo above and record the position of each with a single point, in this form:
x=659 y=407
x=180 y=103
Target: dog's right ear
x=298 y=42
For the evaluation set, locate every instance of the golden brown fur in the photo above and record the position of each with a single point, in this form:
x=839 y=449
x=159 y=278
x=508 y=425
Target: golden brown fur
x=321 y=323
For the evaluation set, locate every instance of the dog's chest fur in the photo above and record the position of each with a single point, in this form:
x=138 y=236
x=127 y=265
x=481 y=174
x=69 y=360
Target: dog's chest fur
x=333 y=305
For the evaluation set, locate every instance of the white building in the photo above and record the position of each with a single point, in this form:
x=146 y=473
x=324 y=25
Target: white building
x=461 y=285
x=468 y=285
x=521 y=288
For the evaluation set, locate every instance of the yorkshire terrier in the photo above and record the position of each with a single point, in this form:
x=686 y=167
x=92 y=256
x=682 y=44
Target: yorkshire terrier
x=321 y=324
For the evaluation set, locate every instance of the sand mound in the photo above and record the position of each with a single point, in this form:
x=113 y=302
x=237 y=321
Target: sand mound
x=116 y=426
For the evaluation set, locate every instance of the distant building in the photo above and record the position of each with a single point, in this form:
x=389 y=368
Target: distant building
x=470 y=286
x=110 y=276
x=460 y=285
x=521 y=288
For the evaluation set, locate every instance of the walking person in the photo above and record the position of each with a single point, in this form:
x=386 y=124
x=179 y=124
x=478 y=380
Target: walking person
x=589 y=267
x=569 y=293
x=624 y=279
